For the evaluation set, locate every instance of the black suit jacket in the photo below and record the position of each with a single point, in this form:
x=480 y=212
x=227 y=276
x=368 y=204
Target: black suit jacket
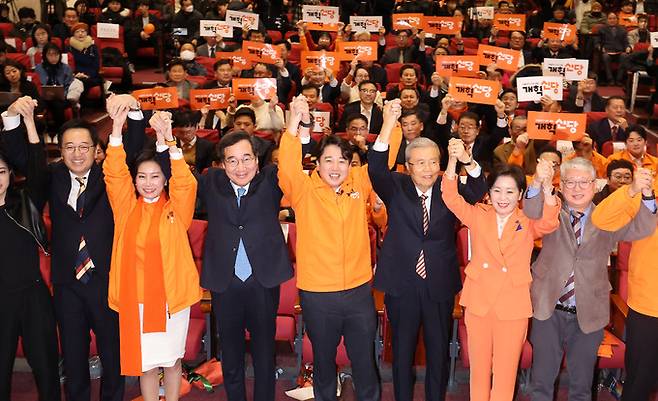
x=376 y=118
x=540 y=53
x=569 y=105
x=256 y=221
x=601 y=133
x=204 y=153
x=396 y=266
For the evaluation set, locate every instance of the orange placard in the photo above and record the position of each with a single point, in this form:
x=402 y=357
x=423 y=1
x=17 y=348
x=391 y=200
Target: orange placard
x=407 y=21
x=239 y=59
x=249 y=88
x=442 y=25
x=157 y=98
x=261 y=52
x=509 y=22
x=322 y=26
x=457 y=66
x=627 y=19
x=365 y=51
x=324 y=60
x=564 y=32
x=507 y=59
x=214 y=99
x=474 y=90
x=556 y=126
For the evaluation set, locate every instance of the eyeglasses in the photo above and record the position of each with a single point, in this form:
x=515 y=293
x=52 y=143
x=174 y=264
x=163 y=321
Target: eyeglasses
x=425 y=163
x=80 y=148
x=569 y=184
x=368 y=91
x=466 y=127
x=233 y=162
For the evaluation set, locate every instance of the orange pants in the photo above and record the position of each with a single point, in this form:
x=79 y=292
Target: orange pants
x=494 y=348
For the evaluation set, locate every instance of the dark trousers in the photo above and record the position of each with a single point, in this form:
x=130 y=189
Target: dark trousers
x=29 y=313
x=80 y=308
x=247 y=305
x=641 y=356
x=350 y=314
x=550 y=338
x=407 y=313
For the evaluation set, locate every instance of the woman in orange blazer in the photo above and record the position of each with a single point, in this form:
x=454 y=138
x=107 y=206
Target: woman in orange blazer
x=496 y=291
x=153 y=278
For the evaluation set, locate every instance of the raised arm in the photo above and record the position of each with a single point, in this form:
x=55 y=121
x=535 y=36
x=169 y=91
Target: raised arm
x=453 y=200
x=541 y=188
x=378 y=156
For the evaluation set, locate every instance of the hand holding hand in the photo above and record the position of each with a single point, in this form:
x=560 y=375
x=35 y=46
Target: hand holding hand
x=457 y=150
x=642 y=182
x=23 y=106
x=446 y=103
x=392 y=111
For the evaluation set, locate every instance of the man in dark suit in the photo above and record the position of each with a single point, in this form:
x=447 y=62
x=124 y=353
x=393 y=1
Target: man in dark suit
x=613 y=127
x=198 y=152
x=366 y=106
x=583 y=97
x=287 y=71
x=517 y=41
x=570 y=317
x=327 y=84
x=553 y=48
x=408 y=49
x=245 y=261
x=417 y=267
x=136 y=37
x=82 y=231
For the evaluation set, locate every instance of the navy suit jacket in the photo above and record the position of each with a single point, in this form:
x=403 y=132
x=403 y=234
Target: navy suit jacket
x=601 y=133
x=396 y=265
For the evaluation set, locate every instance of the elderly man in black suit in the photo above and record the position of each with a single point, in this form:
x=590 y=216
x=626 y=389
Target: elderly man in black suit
x=417 y=267
x=613 y=127
x=245 y=260
x=410 y=49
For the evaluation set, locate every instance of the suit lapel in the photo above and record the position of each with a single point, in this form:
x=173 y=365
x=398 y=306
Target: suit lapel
x=417 y=211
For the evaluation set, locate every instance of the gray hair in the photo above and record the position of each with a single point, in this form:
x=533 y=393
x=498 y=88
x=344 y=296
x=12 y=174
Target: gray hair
x=578 y=163
x=419 y=142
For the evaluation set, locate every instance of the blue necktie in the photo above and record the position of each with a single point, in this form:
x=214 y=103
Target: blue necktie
x=242 y=265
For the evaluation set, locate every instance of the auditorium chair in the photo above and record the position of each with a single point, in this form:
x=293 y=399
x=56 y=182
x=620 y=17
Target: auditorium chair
x=393 y=72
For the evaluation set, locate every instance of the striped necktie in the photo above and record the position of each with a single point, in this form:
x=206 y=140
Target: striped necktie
x=420 y=265
x=83 y=263
x=568 y=296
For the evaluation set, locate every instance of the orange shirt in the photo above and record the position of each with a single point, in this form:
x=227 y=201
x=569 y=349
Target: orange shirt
x=649 y=162
x=599 y=162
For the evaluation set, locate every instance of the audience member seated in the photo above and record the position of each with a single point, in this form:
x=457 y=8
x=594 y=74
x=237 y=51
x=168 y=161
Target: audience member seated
x=187 y=18
x=408 y=79
x=516 y=42
x=245 y=120
x=41 y=35
x=223 y=75
x=53 y=72
x=27 y=21
x=613 y=45
x=349 y=88
x=639 y=40
x=177 y=77
x=357 y=131
x=611 y=128
x=115 y=13
x=481 y=30
x=4 y=14
x=635 y=139
x=583 y=96
x=269 y=115
x=591 y=18
x=325 y=81
x=188 y=55
x=511 y=102
x=521 y=150
x=551 y=48
x=324 y=39
x=619 y=172
x=585 y=149
x=366 y=106
x=287 y=69
x=15 y=81
x=136 y=36
x=86 y=56
x=196 y=151
x=214 y=44
x=63 y=29
x=410 y=48
x=86 y=16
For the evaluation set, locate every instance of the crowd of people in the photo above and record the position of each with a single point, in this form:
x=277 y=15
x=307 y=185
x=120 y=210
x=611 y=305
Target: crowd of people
x=399 y=155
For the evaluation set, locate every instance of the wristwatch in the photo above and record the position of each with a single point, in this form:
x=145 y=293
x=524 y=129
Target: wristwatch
x=170 y=143
x=306 y=125
x=647 y=198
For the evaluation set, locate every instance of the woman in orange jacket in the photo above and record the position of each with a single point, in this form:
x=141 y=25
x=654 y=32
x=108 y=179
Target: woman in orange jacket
x=153 y=278
x=496 y=291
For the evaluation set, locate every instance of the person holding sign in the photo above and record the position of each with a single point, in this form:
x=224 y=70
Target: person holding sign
x=416 y=295
x=496 y=293
x=410 y=48
x=570 y=318
x=333 y=254
x=325 y=81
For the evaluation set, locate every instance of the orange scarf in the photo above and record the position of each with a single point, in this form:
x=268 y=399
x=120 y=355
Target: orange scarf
x=154 y=293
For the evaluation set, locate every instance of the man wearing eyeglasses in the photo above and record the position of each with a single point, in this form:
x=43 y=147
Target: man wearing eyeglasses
x=417 y=268
x=570 y=287
x=365 y=106
x=244 y=262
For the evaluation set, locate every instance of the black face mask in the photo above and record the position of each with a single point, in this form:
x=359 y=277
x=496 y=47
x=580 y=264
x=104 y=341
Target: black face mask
x=596 y=14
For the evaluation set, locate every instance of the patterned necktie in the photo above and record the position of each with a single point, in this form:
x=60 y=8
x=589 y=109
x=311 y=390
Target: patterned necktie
x=569 y=291
x=212 y=52
x=613 y=132
x=83 y=262
x=242 y=265
x=420 y=265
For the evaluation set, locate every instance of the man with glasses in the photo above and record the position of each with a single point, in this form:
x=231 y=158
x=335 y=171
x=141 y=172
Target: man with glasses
x=619 y=173
x=365 y=106
x=244 y=262
x=570 y=287
x=520 y=147
x=417 y=268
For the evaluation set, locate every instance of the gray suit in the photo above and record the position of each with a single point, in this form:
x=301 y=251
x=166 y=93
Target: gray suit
x=579 y=335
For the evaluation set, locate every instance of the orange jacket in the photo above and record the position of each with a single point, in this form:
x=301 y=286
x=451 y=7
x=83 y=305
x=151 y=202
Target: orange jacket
x=181 y=278
x=498 y=275
x=642 y=272
x=599 y=162
x=648 y=161
x=333 y=248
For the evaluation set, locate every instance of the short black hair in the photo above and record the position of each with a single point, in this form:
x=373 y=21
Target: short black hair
x=252 y=31
x=471 y=116
x=550 y=149
x=619 y=163
x=222 y=62
x=77 y=123
x=506 y=91
x=635 y=128
x=365 y=82
x=72 y=9
x=174 y=62
x=310 y=86
x=245 y=111
x=186 y=118
x=410 y=89
x=18 y=65
x=233 y=138
x=355 y=116
x=413 y=112
x=46 y=28
x=344 y=146
x=143 y=2
x=407 y=67
x=508 y=170
x=26 y=12
x=616 y=97
x=286 y=43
